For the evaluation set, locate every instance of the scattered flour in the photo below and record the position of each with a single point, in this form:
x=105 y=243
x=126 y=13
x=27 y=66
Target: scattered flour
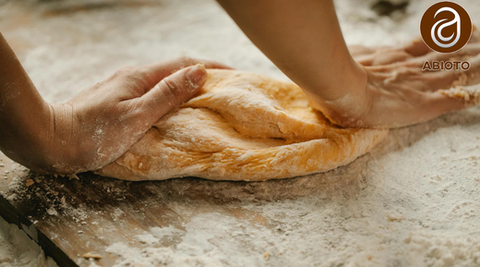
x=418 y=205
x=18 y=250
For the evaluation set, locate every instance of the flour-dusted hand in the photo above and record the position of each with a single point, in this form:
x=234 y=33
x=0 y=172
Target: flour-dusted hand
x=400 y=91
x=101 y=123
x=98 y=125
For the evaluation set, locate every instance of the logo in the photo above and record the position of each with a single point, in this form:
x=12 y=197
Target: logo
x=446 y=27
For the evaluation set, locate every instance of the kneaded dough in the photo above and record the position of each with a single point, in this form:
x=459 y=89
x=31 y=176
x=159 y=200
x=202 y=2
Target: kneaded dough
x=242 y=126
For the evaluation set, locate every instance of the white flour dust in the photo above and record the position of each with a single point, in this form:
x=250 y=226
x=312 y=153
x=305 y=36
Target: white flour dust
x=419 y=201
x=18 y=250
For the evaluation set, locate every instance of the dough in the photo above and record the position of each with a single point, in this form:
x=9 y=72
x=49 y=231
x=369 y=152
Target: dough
x=242 y=126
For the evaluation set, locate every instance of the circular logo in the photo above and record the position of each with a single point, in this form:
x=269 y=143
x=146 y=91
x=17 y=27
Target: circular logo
x=446 y=27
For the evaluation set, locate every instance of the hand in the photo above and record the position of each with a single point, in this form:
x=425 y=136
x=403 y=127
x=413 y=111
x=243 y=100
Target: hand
x=101 y=123
x=399 y=93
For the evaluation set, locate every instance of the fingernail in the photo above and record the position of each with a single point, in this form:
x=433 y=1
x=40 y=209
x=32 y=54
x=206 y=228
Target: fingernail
x=196 y=76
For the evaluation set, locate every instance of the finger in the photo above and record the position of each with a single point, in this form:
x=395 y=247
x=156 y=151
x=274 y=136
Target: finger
x=475 y=38
x=380 y=56
x=442 y=79
x=154 y=73
x=365 y=60
x=172 y=91
x=360 y=50
x=466 y=52
x=472 y=75
x=466 y=96
x=447 y=79
x=183 y=62
x=417 y=48
x=393 y=55
x=443 y=101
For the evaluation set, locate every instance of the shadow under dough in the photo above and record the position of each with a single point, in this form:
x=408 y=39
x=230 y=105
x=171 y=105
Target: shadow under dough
x=342 y=183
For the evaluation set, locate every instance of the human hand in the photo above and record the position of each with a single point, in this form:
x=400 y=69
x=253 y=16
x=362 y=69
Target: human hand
x=98 y=125
x=399 y=93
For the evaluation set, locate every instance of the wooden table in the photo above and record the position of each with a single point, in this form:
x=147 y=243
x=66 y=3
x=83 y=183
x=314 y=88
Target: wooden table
x=70 y=217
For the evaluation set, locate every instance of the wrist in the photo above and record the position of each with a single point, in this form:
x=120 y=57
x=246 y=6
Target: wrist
x=60 y=147
x=26 y=134
x=351 y=102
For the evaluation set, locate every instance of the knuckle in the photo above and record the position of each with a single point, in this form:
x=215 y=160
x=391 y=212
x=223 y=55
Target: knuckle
x=172 y=88
x=137 y=109
x=187 y=61
x=172 y=85
x=125 y=71
x=130 y=74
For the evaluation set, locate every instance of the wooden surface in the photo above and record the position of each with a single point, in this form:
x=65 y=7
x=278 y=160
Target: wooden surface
x=72 y=217
x=69 y=217
x=66 y=48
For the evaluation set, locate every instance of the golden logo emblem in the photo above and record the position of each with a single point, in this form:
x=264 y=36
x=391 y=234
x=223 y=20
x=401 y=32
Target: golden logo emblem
x=446 y=27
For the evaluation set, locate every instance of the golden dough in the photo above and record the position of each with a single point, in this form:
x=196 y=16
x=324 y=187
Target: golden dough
x=242 y=126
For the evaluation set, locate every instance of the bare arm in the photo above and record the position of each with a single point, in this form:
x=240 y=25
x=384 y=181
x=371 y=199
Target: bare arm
x=390 y=89
x=25 y=118
x=98 y=125
x=304 y=39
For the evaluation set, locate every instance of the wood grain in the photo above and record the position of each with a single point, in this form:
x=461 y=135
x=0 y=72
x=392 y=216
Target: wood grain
x=72 y=217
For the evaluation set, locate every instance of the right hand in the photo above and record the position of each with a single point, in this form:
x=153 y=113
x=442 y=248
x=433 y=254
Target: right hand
x=98 y=125
x=398 y=93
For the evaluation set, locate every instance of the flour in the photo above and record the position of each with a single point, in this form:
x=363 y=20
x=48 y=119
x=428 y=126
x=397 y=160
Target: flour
x=413 y=213
x=414 y=201
x=417 y=205
x=18 y=250
x=158 y=235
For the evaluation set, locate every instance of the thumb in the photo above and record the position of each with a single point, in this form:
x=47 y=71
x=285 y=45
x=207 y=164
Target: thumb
x=174 y=90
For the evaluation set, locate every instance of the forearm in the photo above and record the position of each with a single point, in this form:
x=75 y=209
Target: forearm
x=98 y=125
x=304 y=39
x=25 y=118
